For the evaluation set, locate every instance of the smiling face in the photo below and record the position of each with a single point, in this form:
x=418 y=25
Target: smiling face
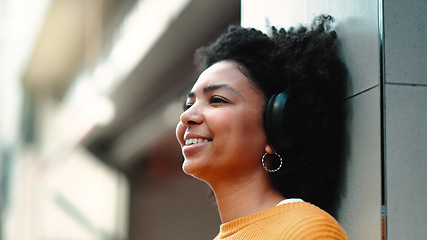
x=221 y=131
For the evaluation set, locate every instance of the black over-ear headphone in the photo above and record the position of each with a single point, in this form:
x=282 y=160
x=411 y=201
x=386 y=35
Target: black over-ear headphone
x=277 y=120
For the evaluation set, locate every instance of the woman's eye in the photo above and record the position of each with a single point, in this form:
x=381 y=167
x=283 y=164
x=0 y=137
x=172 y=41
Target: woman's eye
x=218 y=99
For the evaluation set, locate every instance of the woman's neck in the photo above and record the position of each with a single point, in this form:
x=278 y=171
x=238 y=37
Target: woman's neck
x=239 y=199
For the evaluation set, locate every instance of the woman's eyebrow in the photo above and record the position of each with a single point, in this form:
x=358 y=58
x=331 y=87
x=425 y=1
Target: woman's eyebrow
x=214 y=87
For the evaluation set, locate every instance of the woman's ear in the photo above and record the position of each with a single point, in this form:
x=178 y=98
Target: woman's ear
x=269 y=149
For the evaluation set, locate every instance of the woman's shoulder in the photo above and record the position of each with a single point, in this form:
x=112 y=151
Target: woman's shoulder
x=301 y=209
x=303 y=220
x=290 y=221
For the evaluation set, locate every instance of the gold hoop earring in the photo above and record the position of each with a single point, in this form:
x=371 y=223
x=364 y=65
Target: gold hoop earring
x=272 y=170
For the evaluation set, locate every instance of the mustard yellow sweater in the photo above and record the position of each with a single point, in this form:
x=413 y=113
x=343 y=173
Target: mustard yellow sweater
x=289 y=221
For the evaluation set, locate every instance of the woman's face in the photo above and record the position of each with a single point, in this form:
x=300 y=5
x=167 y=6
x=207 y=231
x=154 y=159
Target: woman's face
x=221 y=131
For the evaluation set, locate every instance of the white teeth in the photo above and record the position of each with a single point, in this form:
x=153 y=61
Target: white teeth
x=195 y=140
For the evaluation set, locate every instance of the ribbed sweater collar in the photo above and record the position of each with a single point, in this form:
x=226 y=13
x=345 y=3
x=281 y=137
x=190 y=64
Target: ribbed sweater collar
x=229 y=228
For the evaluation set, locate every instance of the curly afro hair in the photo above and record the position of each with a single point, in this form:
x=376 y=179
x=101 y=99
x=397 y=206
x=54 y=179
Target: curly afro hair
x=305 y=58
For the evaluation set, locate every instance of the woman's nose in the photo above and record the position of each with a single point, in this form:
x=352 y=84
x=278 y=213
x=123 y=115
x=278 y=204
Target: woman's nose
x=192 y=116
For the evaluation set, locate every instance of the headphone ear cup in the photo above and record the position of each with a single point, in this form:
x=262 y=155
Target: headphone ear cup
x=276 y=118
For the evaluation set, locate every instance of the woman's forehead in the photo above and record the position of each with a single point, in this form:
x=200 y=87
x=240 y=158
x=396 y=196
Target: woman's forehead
x=224 y=74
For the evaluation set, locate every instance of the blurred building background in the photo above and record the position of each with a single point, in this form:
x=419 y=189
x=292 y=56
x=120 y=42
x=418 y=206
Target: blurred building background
x=90 y=97
x=91 y=91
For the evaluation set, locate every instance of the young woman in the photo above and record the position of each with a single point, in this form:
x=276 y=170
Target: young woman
x=262 y=126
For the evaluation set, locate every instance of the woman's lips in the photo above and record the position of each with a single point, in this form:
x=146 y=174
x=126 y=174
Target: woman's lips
x=194 y=144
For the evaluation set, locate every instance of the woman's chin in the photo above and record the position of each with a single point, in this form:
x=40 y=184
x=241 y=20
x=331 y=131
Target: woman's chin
x=192 y=169
x=188 y=167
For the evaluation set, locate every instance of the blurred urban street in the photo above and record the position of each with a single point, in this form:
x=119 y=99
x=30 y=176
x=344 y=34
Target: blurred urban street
x=90 y=94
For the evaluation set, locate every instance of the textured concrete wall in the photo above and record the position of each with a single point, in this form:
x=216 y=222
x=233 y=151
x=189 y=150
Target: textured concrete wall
x=405 y=101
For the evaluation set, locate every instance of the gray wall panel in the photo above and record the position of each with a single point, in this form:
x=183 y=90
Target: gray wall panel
x=360 y=210
x=405 y=118
x=405 y=26
x=406 y=155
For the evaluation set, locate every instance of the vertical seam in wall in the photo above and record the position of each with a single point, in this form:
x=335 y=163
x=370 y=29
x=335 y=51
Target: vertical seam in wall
x=382 y=83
